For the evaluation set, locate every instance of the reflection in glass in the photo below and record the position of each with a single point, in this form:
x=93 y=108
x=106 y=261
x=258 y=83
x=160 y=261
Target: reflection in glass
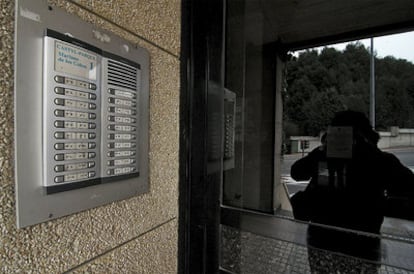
x=318 y=83
x=351 y=180
x=249 y=75
x=323 y=82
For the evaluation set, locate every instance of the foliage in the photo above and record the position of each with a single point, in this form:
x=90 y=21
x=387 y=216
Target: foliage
x=320 y=83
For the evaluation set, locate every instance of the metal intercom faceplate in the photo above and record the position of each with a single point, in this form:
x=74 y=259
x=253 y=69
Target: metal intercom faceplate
x=71 y=111
x=229 y=128
x=90 y=114
x=81 y=115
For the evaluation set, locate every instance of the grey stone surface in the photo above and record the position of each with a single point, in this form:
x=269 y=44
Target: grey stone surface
x=245 y=252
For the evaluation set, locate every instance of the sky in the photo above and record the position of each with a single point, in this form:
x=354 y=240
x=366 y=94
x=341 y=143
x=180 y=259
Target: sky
x=401 y=46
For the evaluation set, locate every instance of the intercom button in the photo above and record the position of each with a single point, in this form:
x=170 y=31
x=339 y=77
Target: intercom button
x=92 y=125
x=60 y=157
x=111 y=118
x=111 y=100
x=91 y=145
x=59 y=102
x=111 y=109
x=111 y=127
x=111 y=154
x=110 y=172
x=111 y=145
x=91 y=164
x=60 y=90
x=59 y=168
x=59 y=124
x=59 y=179
x=111 y=91
x=59 y=79
x=111 y=136
x=92 y=86
x=91 y=174
x=59 y=113
x=92 y=135
x=91 y=155
x=92 y=96
x=59 y=135
x=111 y=163
x=59 y=146
x=92 y=106
x=92 y=116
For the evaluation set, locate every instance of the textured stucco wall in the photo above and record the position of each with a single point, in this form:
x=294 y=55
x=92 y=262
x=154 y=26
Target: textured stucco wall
x=137 y=235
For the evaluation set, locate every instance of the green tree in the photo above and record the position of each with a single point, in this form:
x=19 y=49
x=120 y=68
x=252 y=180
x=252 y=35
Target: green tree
x=320 y=109
x=320 y=83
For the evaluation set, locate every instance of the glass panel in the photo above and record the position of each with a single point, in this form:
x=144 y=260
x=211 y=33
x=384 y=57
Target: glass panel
x=319 y=83
x=248 y=182
x=342 y=174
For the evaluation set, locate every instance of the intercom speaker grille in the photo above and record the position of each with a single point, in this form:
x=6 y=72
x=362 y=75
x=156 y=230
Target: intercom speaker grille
x=122 y=75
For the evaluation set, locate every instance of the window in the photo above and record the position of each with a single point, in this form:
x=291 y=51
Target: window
x=323 y=81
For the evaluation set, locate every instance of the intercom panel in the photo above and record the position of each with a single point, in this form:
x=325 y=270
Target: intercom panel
x=71 y=111
x=229 y=128
x=120 y=118
x=81 y=114
x=90 y=115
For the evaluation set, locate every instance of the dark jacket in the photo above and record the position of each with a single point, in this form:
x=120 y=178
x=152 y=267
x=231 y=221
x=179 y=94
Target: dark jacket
x=354 y=192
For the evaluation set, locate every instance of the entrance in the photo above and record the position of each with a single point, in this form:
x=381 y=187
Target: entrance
x=234 y=206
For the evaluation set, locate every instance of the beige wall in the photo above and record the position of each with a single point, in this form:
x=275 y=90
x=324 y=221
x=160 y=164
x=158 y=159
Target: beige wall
x=138 y=235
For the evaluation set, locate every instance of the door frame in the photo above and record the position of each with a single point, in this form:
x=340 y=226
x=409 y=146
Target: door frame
x=202 y=73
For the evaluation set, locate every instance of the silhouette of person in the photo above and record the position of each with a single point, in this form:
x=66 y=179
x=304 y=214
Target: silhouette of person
x=350 y=178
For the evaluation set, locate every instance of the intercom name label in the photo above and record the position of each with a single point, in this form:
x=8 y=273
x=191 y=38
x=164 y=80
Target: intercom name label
x=74 y=61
